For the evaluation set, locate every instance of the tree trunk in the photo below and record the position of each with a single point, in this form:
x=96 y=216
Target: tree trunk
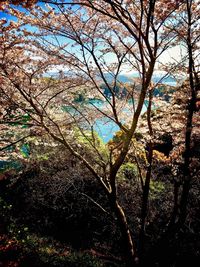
x=189 y=123
x=145 y=198
x=146 y=187
x=131 y=258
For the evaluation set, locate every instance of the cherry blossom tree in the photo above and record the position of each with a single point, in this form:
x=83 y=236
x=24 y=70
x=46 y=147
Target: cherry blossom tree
x=89 y=41
x=189 y=34
x=25 y=3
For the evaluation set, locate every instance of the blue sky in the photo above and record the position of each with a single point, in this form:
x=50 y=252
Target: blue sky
x=172 y=55
x=9 y=17
x=6 y=16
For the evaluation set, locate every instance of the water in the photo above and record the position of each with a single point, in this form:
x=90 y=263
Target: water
x=105 y=127
x=9 y=164
x=6 y=165
x=25 y=150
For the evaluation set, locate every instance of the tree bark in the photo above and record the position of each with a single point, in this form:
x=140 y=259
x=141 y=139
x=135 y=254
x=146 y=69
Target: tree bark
x=146 y=187
x=189 y=124
x=145 y=198
x=131 y=253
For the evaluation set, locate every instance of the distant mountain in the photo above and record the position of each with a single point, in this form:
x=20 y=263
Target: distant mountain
x=166 y=80
x=121 y=78
x=129 y=78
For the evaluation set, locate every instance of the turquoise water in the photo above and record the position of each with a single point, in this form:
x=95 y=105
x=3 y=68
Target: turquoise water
x=7 y=165
x=105 y=127
x=96 y=102
x=14 y=164
x=25 y=150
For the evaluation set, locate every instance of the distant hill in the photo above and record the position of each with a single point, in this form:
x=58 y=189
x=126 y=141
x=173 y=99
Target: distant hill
x=167 y=80
x=129 y=78
x=121 y=78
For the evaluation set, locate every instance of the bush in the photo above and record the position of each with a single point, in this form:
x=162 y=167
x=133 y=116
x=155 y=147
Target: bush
x=129 y=171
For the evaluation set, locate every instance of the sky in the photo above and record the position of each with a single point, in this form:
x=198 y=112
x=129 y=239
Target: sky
x=3 y=15
x=172 y=55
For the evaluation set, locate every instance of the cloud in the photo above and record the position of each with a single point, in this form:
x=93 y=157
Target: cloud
x=173 y=55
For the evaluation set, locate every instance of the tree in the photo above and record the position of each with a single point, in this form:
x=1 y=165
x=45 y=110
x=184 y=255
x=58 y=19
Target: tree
x=189 y=35
x=25 y=3
x=82 y=37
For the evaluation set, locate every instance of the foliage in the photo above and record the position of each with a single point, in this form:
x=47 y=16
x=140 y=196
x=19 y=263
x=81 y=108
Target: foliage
x=73 y=42
x=129 y=171
x=156 y=188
